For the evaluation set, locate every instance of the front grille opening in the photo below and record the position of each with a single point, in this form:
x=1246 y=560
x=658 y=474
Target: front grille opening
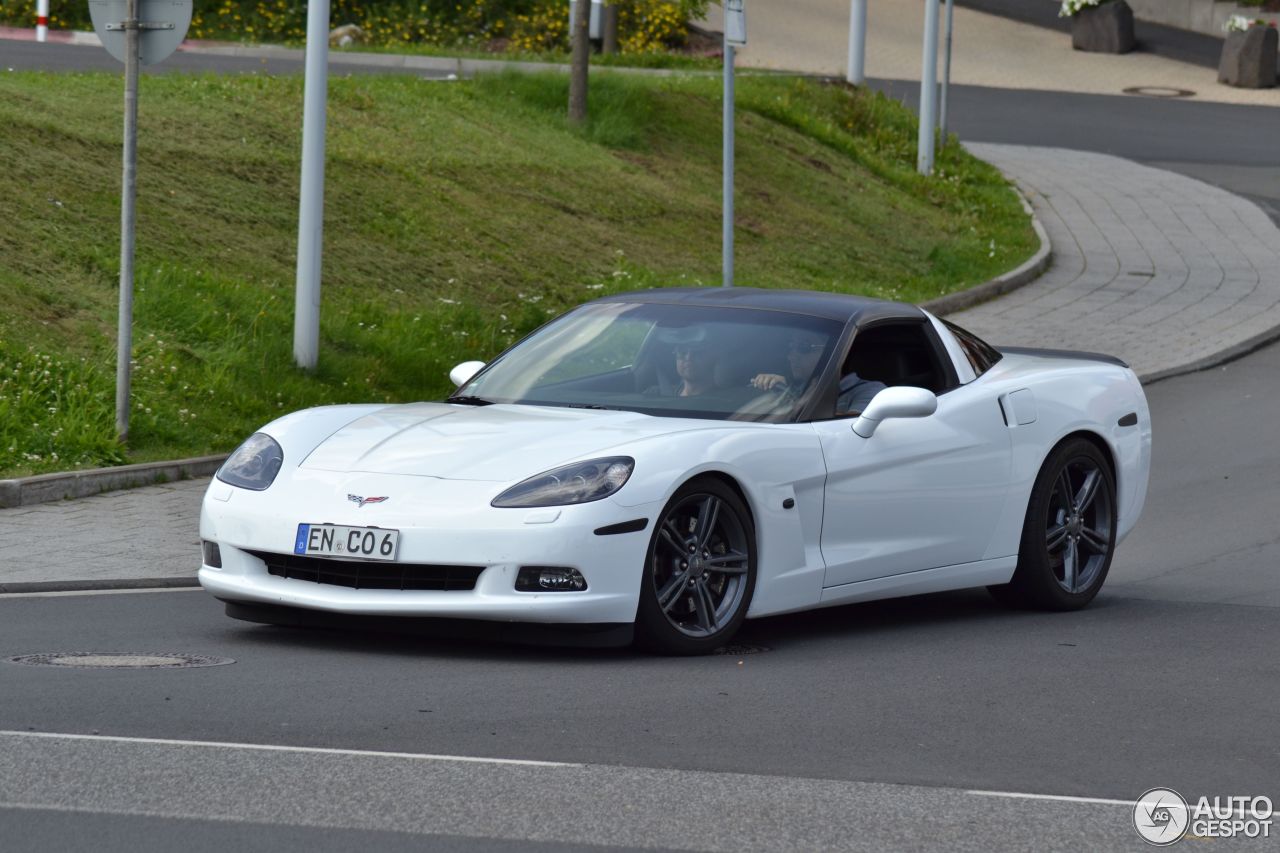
x=355 y=574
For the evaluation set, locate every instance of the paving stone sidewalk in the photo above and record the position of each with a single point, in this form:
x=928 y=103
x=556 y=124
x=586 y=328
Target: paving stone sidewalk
x=1156 y=268
x=1162 y=270
x=152 y=532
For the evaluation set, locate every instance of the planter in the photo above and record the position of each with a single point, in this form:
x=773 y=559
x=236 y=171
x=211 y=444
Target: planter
x=1249 y=58
x=1103 y=29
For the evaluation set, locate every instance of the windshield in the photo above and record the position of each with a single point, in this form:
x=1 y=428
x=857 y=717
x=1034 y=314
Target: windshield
x=670 y=360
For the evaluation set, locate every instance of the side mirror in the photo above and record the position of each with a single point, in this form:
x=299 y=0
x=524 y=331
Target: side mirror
x=462 y=374
x=899 y=402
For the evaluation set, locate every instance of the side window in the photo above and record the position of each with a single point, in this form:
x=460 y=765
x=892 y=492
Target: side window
x=889 y=354
x=980 y=353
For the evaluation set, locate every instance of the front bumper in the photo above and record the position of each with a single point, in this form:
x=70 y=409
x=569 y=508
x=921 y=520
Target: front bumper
x=463 y=530
x=578 y=634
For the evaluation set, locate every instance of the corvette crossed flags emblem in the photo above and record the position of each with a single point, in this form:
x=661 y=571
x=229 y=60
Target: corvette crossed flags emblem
x=362 y=501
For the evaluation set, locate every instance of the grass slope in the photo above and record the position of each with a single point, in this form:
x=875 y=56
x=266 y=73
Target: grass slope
x=458 y=217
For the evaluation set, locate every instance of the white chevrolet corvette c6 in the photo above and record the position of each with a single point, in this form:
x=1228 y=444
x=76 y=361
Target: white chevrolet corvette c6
x=667 y=464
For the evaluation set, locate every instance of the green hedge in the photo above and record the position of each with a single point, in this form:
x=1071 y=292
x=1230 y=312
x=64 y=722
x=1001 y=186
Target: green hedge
x=525 y=24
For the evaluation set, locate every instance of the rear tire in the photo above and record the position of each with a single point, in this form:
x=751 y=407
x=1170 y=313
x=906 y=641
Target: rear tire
x=699 y=571
x=1069 y=534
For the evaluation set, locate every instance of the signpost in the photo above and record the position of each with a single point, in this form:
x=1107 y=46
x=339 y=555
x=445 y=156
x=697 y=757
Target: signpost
x=735 y=36
x=135 y=32
x=42 y=20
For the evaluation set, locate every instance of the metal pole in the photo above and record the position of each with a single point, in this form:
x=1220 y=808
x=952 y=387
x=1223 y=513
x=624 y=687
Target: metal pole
x=579 y=60
x=306 y=311
x=946 y=76
x=42 y=20
x=857 y=42
x=928 y=89
x=727 y=235
x=128 y=195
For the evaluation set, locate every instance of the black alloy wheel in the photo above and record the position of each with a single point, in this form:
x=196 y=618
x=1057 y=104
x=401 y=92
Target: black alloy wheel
x=1069 y=535
x=700 y=571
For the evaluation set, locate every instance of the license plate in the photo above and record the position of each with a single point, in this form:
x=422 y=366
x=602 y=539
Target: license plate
x=336 y=540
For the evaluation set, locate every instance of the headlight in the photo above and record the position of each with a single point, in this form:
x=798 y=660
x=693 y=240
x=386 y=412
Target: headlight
x=255 y=463
x=578 y=483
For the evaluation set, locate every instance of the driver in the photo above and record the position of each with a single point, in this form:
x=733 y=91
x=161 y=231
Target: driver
x=803 y=353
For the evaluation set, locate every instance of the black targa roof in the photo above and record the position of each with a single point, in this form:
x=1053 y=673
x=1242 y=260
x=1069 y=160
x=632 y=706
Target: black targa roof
x=833 y=306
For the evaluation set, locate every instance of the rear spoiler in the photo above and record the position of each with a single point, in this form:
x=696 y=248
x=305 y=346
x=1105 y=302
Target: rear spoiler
x=1064 y=353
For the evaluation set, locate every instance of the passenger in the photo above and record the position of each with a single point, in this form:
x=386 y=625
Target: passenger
x=696 y=354
x=696 y=367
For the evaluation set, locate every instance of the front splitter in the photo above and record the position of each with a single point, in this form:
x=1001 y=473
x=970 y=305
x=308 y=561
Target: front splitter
x=591 y=635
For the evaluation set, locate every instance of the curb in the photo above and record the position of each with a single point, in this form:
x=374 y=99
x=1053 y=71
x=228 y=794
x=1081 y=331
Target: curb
x=1231 y=353
x=42 y=488
x=1023 y=275
x=27 y=587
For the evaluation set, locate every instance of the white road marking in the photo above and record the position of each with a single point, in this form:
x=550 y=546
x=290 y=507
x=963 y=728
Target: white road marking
x=1017 y=796
x=522 y=762
x=1235 y=810
x=130 y=812
x=309 y=750
x=66 y=592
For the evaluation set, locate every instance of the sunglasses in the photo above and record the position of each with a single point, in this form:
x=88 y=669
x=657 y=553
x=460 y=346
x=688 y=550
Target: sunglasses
x=684 y=352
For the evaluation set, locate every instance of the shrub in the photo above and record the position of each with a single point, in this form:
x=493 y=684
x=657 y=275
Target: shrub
x=530 y=25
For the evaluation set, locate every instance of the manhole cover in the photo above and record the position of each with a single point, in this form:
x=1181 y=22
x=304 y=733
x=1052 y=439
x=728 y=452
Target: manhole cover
x=101 y=660
x=1158 y=92
x=740 y=649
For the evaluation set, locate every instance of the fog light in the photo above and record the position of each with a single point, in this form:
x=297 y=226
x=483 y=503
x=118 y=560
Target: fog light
x=212 y=556
x=549 y=579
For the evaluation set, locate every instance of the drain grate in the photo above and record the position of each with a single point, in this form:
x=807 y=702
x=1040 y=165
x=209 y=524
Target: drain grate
x=110 y=660
x=740 y=649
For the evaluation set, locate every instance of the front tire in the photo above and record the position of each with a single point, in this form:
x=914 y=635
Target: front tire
x=699 y=572
x=1069 y=534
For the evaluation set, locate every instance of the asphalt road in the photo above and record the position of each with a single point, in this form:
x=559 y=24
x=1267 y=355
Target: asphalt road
x=1227 y=145
x=231 y=795
x=861 y=727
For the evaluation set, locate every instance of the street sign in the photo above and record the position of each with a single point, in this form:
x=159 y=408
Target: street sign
x=735 y=23
x=595 y=21
x=136 y=32
x=162 y=25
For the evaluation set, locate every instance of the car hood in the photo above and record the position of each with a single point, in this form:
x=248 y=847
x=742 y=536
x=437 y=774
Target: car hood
x=497 y=443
